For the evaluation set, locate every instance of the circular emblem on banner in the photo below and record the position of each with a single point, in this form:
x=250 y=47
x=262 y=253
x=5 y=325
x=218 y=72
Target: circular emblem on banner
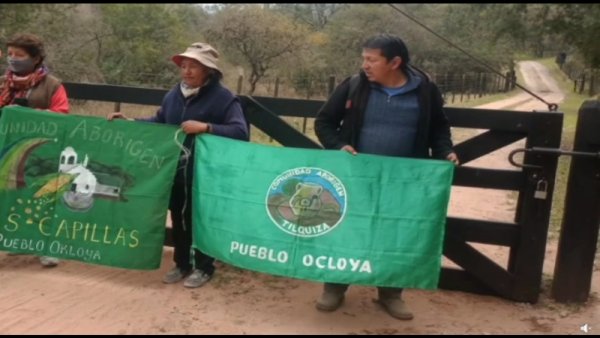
x=306 y=202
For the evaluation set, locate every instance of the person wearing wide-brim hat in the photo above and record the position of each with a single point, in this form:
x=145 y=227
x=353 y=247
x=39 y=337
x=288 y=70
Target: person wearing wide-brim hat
x=199 y=103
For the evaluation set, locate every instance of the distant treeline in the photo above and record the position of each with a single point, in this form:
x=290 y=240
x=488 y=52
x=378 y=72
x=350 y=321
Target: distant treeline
x=131 y=44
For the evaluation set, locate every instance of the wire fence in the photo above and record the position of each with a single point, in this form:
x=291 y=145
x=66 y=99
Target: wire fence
x=585 y=80
x=455 y=87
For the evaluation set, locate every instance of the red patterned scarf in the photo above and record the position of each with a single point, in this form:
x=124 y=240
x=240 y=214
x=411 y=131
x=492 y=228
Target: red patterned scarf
x=16 y=86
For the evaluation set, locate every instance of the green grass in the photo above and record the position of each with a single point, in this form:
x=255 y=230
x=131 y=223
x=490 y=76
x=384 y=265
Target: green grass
x=569 y=107
x=474 y=102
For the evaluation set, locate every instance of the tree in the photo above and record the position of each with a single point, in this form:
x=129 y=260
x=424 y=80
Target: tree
x=578 y=25
x=316 y=16
x=18 y=18
x=51 y=22
x=139 y=41
x=309 y=74
x=475 y=29
x=256 y=37
x=350 y=27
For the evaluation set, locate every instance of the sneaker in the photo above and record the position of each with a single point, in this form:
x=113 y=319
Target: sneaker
x=49 y=261
x=175 y=275
x=395 y=307
x=197 y=279
x=330 y=299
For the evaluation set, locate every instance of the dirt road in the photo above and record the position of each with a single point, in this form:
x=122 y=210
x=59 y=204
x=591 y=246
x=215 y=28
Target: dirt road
x=76 y=298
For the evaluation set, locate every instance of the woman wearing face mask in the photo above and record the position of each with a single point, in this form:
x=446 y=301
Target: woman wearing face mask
x=26 y=81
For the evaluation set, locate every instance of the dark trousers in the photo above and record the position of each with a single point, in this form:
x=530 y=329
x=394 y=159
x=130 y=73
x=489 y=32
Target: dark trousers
x=181 y=219
x=384 y=292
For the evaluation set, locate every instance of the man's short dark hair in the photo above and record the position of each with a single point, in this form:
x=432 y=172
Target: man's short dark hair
x=391 y=46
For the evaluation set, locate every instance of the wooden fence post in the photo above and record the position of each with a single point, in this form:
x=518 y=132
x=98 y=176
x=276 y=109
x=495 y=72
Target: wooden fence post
x=484 y=84
x=591 y=89
x=239 y=84
x=507 y=82
x=579 y=231
x=513 y=79
x=331 y=85
x=582 y=84
x=497 y=84
x=462 y=86
x=276 y=91
x=275 y=94
x=469 y=85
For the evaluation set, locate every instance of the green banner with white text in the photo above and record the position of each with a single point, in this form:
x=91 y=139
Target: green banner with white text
x=321 y=215
x=85 y=188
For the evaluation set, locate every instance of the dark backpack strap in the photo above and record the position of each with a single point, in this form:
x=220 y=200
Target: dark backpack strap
x=354 y=82
x=352 y=88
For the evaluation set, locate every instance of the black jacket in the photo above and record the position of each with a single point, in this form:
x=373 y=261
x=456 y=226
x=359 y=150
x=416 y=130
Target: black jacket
x=339 y=121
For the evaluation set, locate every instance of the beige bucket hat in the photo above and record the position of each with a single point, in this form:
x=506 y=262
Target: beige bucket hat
x=201 y=52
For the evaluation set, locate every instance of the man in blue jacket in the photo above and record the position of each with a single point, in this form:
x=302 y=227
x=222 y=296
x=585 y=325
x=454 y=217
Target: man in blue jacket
x=390 y=108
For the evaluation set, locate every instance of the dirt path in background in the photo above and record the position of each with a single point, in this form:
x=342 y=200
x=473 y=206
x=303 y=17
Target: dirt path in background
x=76 y=298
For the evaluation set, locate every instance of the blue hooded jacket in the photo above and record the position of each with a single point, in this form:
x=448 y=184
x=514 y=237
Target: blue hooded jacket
x=213 y=104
